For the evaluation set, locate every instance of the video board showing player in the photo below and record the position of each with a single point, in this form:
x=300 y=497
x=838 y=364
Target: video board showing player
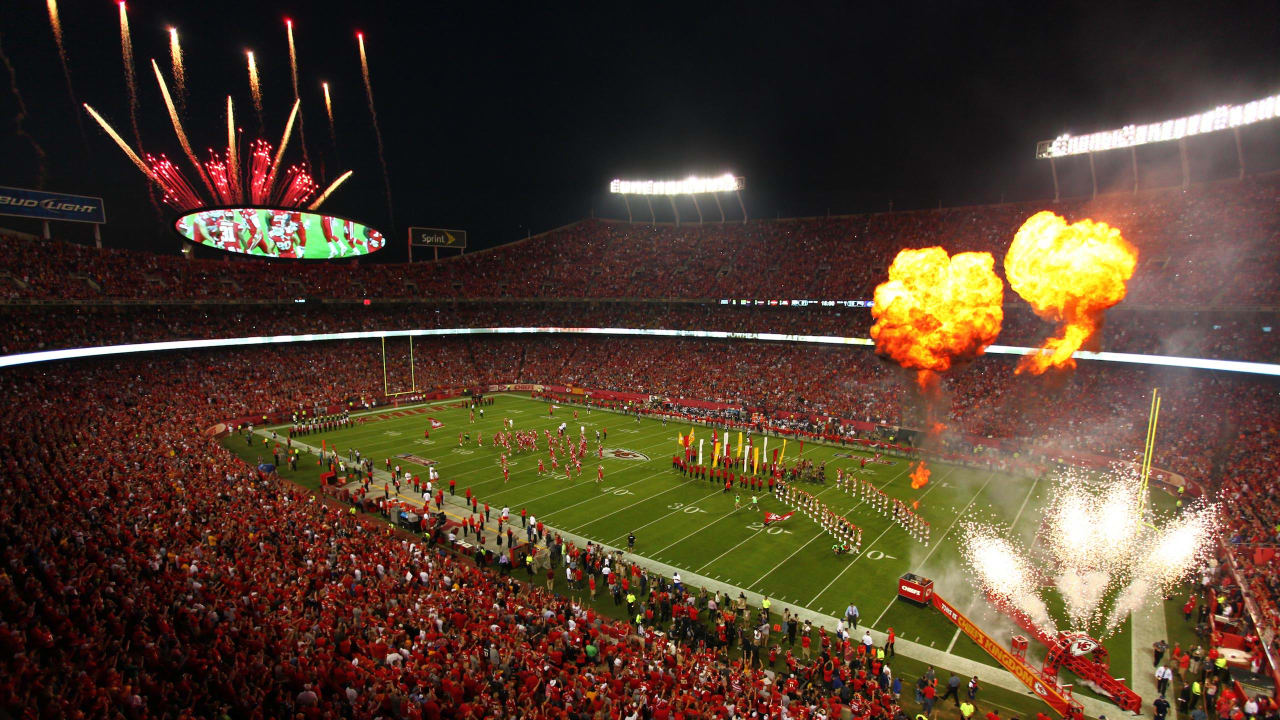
x=280 y=233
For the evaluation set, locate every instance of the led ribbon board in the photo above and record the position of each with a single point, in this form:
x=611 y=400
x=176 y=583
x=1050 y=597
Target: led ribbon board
x=279 y=232
x=1223 y=117
x=1130 y=358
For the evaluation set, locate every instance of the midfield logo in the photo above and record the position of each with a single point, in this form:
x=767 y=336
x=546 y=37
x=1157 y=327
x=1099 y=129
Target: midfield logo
x=624 y=454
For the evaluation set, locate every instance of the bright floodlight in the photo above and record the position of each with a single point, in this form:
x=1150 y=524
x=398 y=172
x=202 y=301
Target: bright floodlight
x=1223 y=117
x=691 y=185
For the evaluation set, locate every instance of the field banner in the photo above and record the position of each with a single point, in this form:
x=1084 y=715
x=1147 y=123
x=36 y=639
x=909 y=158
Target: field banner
x=51 y=206
x=1048 y=690
x=438 y=238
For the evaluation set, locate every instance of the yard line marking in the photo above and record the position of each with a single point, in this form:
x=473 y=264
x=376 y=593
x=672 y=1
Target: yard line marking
x=625 y=507
x=824 y=532
x=704 y=527
x=754 y=534
x=595 y=497
x=1030 y=492
x=673 y=512
x=938 y=544
x=867 y=549
x=953 y=641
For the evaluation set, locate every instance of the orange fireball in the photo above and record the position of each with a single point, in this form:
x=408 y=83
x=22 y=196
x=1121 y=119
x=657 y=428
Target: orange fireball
x=1070 y=274
x=920 y=476
x=936 y=310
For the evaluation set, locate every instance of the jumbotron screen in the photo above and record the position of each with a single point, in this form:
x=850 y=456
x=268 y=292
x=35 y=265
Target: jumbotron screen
x=282 y=233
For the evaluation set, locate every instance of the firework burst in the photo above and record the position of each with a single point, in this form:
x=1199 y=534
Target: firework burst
x=1005 y=573
x=293 y=74
x=1096 y=547
x=377 y=132
x=255 y=87
x=130 y=72
x=328 y=109
x=179 y=71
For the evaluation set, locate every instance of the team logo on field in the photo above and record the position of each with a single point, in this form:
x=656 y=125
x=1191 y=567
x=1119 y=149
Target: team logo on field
x=624 y=454
x=435 y=424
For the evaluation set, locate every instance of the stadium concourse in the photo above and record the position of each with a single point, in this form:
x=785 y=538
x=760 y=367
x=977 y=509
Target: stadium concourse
x=148 y=571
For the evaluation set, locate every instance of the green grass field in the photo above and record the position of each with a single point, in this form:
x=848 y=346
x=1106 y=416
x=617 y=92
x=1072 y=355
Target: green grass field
x=692 y=525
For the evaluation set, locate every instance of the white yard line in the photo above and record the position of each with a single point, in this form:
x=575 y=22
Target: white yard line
x=867 y=549
x=752 y=536
x=820 y=533
x=593 y=498
x=952 y=644
x=698 y=530
x=626 y=507
x=664 y=517
x=1014 y=526
x=938 y=544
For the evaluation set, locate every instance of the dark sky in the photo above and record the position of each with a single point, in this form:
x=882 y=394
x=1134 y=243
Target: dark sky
x=498 y=119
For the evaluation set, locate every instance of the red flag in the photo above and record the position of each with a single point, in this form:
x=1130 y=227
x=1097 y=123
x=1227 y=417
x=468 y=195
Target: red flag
x=773 y=518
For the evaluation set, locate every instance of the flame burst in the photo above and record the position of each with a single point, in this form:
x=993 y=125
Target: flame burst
x=179 y=71
x=920 y=476
x=936 y=310
x=1070 y=274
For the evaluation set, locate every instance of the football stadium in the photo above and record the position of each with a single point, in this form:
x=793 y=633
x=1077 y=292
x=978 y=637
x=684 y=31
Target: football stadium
x=582 y=374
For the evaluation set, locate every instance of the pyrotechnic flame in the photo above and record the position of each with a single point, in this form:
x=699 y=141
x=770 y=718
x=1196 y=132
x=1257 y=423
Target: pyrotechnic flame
x=179 y=72
x=328 y=109
x=293 y=74
x=920 y=476
x=56 y=23
x=1005 y=574
x=1070 y=274
x=255 y=87
x=130 y=73
x=124 y=146
x=178 y=129
x=329 y=190
x=233 y=159
x=377 y=132
x=936 y=310
x=284 y=142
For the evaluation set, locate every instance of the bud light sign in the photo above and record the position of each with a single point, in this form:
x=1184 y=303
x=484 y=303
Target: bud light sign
x=51 y=206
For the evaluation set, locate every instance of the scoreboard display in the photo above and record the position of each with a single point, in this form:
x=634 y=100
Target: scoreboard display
x=279 y=233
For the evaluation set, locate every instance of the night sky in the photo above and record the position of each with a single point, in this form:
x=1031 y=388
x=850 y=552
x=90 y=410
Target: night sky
x=505 y=119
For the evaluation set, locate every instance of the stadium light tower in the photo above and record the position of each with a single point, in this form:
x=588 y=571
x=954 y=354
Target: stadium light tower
x=1223 y=117
x=692 y=186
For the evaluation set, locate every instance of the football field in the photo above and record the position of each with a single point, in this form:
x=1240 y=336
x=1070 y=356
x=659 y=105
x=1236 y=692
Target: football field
x=692 y=525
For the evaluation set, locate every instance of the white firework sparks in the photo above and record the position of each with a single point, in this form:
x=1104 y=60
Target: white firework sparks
x=1098 y=547
x=1174 y=551
x=1005 y=573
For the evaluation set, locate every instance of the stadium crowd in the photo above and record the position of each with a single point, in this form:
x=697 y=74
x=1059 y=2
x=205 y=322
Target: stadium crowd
x=149 y=573
x=1207 y=246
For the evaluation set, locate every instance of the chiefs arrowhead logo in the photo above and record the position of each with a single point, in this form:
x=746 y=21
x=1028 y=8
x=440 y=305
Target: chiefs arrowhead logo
x=1083 y=646
x=623 y=454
